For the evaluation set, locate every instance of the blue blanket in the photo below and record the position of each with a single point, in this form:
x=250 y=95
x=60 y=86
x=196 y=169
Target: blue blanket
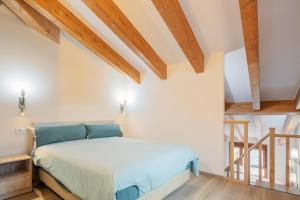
x=99 y=168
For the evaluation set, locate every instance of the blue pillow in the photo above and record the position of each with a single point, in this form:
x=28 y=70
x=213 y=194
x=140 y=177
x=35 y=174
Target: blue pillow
x=103 y=130
x=49 y=135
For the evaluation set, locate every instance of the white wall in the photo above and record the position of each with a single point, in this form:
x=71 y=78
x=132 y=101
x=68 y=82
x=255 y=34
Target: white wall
x=188 y=108
x=62 y=82
x=67 y=82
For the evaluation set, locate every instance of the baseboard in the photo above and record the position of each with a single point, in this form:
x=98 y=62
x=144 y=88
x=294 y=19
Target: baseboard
x=211 y=174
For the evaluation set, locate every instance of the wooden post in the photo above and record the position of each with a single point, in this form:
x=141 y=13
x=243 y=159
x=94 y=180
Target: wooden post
x=272 y=156
x=239 y=163
x=287 y=162
x=260 y=162
x=246 y=158
x=265 y=163
x=231 y=150
x=238 y=170
x=241 y=152
x=266 y=172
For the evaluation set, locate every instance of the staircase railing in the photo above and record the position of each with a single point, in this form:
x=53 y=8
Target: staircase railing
x=238 y=159
x=287 y=156
x=232 y=162
x=258 y=145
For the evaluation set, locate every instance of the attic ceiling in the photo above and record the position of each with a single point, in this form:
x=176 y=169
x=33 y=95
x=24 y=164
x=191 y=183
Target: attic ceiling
x=207 y=19
x=279 y=40
x=279 y=48
x=217 y=26
x=216 y=23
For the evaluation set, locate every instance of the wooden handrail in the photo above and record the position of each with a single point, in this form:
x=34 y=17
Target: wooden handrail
x=250 y=149
x=287 y=135
x=260 y=141
x=236 y=122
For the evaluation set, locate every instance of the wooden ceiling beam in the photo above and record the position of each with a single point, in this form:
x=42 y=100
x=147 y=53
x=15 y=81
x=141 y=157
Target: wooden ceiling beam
x=173 y=15
x=56 y=12
x=249 y=16
x=286 y=107
x=297 y=100
x=113 y=17
x=33 y=19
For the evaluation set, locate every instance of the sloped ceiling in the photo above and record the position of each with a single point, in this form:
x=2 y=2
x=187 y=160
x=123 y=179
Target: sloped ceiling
x=237 y=84
x=217 y=27
x=279 y=38
x=279 y=32
x=216 y=24
x=207 y=18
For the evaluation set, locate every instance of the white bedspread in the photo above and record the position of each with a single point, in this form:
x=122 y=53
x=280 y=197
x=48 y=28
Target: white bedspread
x=98 y=168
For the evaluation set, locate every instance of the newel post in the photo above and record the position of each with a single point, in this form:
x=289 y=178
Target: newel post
x=246 y=158
x=287 y=162
x=231 y=150
x=272 y=156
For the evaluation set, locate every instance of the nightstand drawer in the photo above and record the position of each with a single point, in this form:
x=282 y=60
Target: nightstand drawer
x=15 y=184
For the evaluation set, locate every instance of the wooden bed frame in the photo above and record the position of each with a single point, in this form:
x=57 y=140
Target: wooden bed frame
x=158 y=193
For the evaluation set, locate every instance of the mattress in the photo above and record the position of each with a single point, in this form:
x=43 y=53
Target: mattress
x=114 y=168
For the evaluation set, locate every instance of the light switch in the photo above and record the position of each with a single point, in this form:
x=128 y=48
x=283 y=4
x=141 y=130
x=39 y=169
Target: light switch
x=21 y=131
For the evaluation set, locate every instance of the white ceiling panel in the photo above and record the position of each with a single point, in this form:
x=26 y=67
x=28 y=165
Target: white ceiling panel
x=237 y=84
x=279 y=33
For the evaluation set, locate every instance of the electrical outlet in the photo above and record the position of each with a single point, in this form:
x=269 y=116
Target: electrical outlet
x=21 y=131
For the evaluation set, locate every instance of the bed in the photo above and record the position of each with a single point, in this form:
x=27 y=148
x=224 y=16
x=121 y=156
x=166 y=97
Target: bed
x=113 y=167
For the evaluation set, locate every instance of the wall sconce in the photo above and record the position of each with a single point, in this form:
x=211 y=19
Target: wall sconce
x=123 y=106
x=22 y=102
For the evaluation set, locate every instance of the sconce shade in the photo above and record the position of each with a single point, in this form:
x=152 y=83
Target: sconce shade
x=123 y=107
x=22 y=102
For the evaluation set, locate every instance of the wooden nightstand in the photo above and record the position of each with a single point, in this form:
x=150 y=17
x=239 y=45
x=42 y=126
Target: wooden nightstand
x=15 y=175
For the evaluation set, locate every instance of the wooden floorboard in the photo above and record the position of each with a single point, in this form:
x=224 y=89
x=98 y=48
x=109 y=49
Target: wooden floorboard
x=215 y=188
x=198 y=188
x=281 y=188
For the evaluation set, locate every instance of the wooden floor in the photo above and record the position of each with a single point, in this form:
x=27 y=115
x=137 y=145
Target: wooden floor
x=214 y=188
x=43 y=193
x=281 y=188
x=198 y=188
